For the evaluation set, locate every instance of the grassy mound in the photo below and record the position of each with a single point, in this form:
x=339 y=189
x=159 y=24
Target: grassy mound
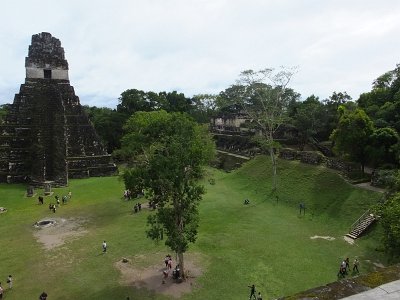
x=267 y=242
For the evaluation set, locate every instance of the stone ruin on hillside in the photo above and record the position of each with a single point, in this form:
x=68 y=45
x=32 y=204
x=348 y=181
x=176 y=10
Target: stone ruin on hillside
x=47 y=136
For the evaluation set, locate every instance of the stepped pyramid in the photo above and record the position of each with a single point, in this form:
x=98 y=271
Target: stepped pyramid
x=46 y=136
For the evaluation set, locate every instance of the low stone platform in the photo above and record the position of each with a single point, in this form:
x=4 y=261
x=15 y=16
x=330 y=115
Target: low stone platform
x=382 y=284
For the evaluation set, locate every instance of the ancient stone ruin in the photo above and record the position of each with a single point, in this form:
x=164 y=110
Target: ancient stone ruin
x=46 y=136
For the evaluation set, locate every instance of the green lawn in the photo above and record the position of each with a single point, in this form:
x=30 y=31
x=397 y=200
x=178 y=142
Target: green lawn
x=266 y=243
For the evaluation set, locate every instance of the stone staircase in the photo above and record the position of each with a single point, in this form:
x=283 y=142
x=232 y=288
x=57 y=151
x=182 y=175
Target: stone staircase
x=359 y=226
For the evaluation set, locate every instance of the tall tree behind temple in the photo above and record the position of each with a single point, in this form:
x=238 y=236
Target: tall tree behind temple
x=108 y=124
x=264 y=97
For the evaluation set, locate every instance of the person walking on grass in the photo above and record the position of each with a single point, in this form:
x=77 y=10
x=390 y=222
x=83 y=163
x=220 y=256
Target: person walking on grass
x=1 y=291
x=347 y=260
x=259 y=296
x=10 y=281
x=104 y=245
x=252 y=291
x=356 y=263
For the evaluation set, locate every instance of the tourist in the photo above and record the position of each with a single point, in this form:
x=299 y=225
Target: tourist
x=252 y=291
x=347 y=260
x=1 y=291
x=104 y=245
x=54 y=209
x=176 y=273
x=342 y=269
x=10 y=281
x=356 y=263
x=259 y=296
x=43 y=296
x=166 y=259
x=170 y=263
x=69 y=195
x=302 y=207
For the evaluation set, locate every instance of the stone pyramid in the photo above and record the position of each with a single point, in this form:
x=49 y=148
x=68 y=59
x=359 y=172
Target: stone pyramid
x=47 y=136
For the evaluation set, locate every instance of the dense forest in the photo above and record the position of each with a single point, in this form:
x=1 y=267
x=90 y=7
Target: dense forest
x=364 y=130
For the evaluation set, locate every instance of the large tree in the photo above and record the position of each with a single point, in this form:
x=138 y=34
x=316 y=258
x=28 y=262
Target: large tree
x=382 y=103
x=352 y=135
x=390 y=220
x=108 y=124
x=309 y=119
x=264 y=97
x=383 y=147
x=168 y=152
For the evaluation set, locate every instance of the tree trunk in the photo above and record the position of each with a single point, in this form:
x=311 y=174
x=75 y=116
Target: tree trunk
x=273 y=160
x=181 y=264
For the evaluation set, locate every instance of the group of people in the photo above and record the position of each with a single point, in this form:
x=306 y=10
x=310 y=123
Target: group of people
x=127 y=194
x=10 y=284
x=53 y=207
x=176 y=273
x=137 y=207
x=345 y=267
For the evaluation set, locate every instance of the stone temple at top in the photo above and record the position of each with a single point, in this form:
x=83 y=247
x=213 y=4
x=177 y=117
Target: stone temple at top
x=46 y=135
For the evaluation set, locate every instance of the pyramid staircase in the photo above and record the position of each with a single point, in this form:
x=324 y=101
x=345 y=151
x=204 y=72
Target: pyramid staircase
x=359 y=226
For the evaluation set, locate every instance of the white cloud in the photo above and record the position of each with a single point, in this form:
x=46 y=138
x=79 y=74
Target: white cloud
x=201 y=46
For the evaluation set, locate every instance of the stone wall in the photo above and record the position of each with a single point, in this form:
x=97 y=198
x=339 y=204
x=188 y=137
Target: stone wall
x=317 y=158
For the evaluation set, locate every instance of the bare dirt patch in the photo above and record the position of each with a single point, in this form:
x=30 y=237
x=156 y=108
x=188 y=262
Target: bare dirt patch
x=151 y=277
x=328 y=238
x=61 y=231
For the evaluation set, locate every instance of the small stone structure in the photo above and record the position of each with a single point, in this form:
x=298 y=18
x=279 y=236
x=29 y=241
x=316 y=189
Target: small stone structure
x=46 y=135
x=317 y=158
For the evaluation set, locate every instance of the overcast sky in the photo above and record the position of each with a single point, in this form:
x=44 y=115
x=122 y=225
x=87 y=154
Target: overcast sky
x=197 y=47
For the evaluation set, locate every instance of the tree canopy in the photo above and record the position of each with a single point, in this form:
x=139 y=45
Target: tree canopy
x=352 y=134
x=263 y=96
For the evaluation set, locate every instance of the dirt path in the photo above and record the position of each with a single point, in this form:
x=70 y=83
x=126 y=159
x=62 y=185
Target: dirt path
x=368 y=186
